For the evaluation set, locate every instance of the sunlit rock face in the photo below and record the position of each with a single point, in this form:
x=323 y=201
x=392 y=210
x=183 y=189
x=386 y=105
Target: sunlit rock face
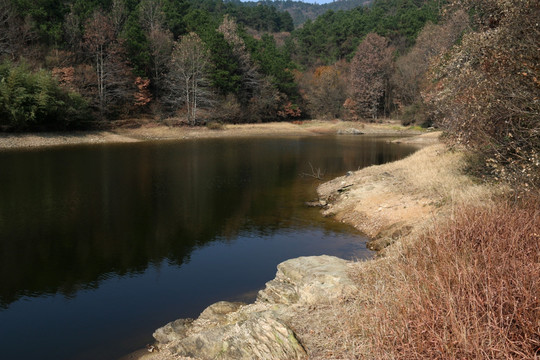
x=228 y=330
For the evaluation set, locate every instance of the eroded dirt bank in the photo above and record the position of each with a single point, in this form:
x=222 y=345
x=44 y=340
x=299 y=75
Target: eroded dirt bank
x=390 y=201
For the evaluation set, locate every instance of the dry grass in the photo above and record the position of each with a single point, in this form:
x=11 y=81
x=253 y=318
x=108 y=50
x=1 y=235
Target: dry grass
x=465 y=284
x=468 y=289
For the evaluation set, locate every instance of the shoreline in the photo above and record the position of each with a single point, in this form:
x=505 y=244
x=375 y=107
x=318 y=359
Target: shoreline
x=316 y=300
x=159 y=132
x=297 y=316
x=296 y=310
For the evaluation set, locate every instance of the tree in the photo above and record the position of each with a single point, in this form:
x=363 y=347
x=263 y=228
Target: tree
x=72 y=30
x=118 y=16
x=113 y=80
x=484 y=91
x=161 y=45
x=251 y=78
x=151 y=15
x=8 y=27
x=160 y=40
x=14 y=32
x=369 y=73
x=325 y=90
x=187 y=78
x=433 y=40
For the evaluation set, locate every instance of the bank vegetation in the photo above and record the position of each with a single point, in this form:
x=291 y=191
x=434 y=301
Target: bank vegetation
x=460 y=277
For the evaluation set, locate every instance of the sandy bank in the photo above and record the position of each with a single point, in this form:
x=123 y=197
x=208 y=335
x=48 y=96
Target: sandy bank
x=390 y=201
x=155 y=132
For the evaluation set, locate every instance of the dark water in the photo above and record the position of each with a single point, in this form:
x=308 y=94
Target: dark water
x=100 y=245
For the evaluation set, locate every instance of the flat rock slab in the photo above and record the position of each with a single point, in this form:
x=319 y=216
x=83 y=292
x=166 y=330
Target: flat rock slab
x=240 y=331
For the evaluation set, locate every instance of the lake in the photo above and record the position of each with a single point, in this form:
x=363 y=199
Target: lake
x=100 y=245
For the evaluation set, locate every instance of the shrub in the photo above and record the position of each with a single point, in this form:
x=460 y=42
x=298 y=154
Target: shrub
x=415 y=114
x=484 y=92
x=34 y=101
x=215 y=125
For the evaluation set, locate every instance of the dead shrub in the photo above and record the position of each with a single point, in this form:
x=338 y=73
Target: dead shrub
x=467 y=290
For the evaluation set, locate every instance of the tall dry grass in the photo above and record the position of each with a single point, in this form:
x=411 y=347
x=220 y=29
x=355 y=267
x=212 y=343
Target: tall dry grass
x=468 y=289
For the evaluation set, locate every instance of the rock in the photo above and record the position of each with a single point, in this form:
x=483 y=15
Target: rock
x=261 y=336
x=309 y=280
x=172 y=331
x=227 y=330
x=313 y=204
x=349 y=131
x=380 y=244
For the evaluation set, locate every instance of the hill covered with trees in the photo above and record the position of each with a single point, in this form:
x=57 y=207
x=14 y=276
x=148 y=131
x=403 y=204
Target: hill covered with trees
x=111 y=59
x=302 y=11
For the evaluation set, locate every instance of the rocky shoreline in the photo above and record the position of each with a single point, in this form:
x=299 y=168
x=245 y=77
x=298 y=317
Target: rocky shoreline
x=280 y=323
x=284 y=321
x=261 y=330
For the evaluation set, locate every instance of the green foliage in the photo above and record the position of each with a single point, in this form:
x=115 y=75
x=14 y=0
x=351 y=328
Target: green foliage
x=174 y=14
x=275 y=63
x=300 y=11
x=137 y=45
x=261 y=17
x=34 y=101
x=224 y=73
x=335 y=35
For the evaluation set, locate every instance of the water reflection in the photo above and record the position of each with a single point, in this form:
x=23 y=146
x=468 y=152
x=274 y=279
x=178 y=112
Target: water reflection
x=78 y=219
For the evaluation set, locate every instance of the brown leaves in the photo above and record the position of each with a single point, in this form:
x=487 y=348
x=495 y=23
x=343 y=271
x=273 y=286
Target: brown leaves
x=491 y=90
x=370 y=70
x=143 y=95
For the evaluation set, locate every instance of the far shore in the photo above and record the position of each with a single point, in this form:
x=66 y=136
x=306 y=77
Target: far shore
x=154 y=132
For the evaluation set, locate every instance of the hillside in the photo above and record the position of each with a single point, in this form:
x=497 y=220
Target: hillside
x=302 y=11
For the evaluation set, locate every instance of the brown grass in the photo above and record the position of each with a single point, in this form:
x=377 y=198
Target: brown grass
x=469 y=289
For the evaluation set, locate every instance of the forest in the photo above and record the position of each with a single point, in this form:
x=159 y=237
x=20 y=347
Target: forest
x=470 y=67
x=80 y=64
x=302 y=11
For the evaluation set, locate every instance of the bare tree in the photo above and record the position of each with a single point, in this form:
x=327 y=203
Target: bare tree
x=118 y=16
x=411 y=68
x=15 y=32
x=7 y=27
x=370 y=70
x=152 y=20
x=151 y=15
x=113 y=78
x=161 y=46
x=187 y=78
x=72 y=30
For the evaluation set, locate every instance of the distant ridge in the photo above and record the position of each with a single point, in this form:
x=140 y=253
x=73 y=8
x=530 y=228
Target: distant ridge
x=302 y=11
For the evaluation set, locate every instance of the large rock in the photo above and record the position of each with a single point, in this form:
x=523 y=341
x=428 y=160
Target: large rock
x=309 y=280
x=259 y=331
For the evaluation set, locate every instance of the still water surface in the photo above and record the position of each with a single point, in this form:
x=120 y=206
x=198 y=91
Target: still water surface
x=100 y=245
